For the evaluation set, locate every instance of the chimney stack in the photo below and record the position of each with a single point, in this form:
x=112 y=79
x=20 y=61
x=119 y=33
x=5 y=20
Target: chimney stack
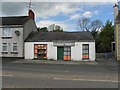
x=115 y=11
x=31 y=14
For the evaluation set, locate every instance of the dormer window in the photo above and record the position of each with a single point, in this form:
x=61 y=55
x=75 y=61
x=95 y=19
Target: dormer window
x=7 y=32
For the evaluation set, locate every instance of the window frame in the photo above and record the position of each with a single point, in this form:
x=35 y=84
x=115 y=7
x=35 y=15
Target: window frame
x=85 y=51
x=40 y=49
x=67 y=53
x=13 y=47
x=6 y=47
x=9 y=34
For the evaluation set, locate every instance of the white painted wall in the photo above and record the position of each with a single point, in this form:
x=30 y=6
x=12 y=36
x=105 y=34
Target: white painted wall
x=51 y=50
x=10 y=41
x=29 y=50
x=76 y=51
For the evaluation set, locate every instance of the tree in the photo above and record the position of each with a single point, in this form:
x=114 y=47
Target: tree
x=106 y=36
x=84 y=24
x=43 y=29
x=51 y=27
x=95 y=26
x=55 y=28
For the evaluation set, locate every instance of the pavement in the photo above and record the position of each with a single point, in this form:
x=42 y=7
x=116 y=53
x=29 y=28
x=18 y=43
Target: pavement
x=24 y=61
x=61 y=62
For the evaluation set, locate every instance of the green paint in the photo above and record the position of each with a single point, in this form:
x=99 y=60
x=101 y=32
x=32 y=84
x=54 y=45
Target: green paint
x=60 y=52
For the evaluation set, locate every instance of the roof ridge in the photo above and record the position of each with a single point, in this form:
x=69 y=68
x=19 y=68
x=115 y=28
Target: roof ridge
x=13 y=16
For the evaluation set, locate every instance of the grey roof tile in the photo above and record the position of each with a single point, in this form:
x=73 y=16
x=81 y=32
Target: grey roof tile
x=14 y=20
x=36 y=36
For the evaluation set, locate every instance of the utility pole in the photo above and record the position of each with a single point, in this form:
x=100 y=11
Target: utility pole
x=30 y=4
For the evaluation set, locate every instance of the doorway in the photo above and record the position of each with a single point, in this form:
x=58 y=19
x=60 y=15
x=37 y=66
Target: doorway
x=60 y=52
x=64 y=53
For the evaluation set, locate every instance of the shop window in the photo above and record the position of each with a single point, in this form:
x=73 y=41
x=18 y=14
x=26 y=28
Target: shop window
x=40 y=51
x=85 y=51
x=67 y=53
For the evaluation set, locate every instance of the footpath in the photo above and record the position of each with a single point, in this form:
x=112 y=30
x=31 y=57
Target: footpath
x=24 y=61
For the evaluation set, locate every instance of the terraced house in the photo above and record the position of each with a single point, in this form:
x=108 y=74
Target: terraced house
x=13 y=32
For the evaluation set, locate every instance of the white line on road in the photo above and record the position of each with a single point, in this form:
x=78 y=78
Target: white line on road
x=85 y=80
x=26 y=69
x=6 y=75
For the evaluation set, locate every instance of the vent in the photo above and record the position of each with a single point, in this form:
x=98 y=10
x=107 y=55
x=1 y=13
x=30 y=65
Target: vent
x=17 y=33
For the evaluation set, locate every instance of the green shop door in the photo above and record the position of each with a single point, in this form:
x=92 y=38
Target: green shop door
x=60 y=52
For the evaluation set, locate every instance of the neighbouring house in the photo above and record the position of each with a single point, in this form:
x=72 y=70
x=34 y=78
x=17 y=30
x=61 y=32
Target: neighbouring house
x=13 y=32
x=60 y=46
x=117 y=30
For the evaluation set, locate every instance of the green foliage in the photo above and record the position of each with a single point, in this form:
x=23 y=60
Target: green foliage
x=105 y=37
x=44 y=29
x=57 y=30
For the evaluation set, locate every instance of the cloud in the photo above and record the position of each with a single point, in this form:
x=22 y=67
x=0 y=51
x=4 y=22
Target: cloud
x=60 y=1
x=46 y=23
x=13 y=8
x=75 y=16
x=64 y=25
x=41 y=9
x=45 y=10
x=94 y=4
x=87 y=14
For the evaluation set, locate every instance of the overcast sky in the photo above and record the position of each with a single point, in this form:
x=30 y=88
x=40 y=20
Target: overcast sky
x=64 y=14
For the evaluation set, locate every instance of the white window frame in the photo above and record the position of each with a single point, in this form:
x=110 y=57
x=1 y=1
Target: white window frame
x=6 y=45
x=13 y=47
x=9 y=34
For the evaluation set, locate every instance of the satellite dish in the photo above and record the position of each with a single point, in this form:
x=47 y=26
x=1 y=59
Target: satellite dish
x=17 y=33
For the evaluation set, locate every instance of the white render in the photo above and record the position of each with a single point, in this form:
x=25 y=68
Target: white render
x=51 y=50
x=10 y=41
x=76 y=51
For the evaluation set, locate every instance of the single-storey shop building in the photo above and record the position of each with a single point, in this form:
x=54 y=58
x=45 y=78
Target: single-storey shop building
x=76 y=46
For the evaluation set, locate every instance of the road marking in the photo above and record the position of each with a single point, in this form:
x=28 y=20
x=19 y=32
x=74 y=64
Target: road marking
x=26 y=69
x=6 y=75
x=85 y=80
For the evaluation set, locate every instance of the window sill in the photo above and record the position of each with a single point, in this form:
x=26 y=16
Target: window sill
x=85 y=59
x=6 y=37
x=14 y=52
x=4 y=52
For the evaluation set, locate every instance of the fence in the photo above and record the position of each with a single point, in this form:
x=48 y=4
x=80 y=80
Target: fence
x=105 y=56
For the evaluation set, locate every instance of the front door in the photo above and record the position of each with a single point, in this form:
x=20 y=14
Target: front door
x=60 y=52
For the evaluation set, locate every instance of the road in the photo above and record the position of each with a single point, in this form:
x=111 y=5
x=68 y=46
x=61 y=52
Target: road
x=59 y=76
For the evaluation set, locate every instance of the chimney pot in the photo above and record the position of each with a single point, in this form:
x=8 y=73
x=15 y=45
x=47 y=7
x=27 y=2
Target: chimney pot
x=31 y=14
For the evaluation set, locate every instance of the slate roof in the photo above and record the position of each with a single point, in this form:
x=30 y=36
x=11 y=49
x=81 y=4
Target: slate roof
x=14 y=20
x=36 y=36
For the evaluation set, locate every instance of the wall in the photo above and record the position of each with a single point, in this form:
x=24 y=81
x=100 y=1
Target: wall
x=10 y=41
x=76 y=51
x=117 y=41
x=51 y=50
x=29 y=26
